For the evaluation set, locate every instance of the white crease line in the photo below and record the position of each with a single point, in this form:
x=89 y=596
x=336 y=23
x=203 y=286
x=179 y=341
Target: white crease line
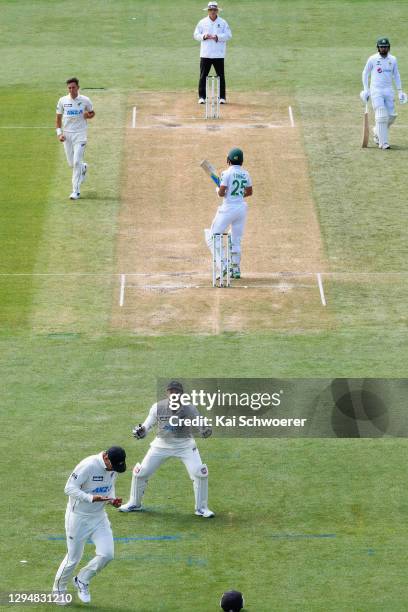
x=319 y=282
x=292 y=121
x=134 y=117
x=214 y=126
x=282 y=288
x=122 y=289
x=278 y=275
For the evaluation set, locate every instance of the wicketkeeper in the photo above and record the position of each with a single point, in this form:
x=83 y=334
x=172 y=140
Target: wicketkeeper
x=172 y=440
x=381 y=70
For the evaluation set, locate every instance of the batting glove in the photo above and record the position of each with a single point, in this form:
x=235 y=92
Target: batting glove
x=139 y=432
x=364 y=96
x=403 y=98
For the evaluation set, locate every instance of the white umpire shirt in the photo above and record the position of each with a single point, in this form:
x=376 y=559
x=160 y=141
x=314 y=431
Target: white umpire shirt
x=89 y=478
x=72 y=111
x=382 y=71
x=211 y=48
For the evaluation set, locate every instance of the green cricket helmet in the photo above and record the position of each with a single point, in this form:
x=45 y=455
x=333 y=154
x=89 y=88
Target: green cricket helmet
x=383 y=42
x=236 y=157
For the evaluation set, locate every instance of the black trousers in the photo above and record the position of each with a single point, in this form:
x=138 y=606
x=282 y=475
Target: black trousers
x=205 y=67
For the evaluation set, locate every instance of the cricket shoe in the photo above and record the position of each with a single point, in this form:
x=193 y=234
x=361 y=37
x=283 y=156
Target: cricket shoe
x=84 y=170
x=201 y=101
x=223 y=101
x=75 y=195
x=130 y=508
x=235 y=272
x=82 y=589
x=385 y=146
x=224 y=273
x=61 y=598
x=205 y=513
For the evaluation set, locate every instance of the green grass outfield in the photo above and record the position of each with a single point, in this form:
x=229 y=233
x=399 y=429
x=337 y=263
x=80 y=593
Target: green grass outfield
x=301 y=524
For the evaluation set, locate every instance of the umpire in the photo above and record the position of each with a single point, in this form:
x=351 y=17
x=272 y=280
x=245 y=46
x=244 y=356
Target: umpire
x=213 y=33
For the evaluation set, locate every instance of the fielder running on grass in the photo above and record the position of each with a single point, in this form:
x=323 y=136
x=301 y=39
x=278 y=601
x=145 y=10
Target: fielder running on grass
x=378 y=74
x=235 y=185
x=73 y=112
x=90 y=487
x=171 y=441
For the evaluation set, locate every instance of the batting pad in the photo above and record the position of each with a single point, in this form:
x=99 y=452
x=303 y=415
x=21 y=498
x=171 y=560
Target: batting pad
x=381 y=123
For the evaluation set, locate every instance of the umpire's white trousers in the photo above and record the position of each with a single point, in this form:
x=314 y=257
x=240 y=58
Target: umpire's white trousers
x=79 y=528
x=74 y=145
x=233 y=215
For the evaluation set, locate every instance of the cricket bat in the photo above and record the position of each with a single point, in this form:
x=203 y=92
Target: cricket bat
x=211 y=171
x=364 y=142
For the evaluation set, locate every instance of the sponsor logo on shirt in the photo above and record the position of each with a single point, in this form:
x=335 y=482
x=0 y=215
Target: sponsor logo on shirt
x=102 y=489
x=74 y=112
x=97 y=478
x=379 y=69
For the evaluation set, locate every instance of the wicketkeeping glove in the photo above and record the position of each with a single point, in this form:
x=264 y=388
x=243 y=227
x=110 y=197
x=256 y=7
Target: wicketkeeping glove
x=139 y=432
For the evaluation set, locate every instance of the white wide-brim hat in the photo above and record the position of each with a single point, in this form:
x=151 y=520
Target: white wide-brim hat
x=212 y=5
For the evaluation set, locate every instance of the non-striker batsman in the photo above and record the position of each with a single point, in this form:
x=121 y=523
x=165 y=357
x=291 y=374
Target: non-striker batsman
x=379 y=73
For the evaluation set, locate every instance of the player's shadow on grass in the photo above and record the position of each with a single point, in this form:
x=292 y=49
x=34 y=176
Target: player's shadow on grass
x=95 y=195
x=399 y=148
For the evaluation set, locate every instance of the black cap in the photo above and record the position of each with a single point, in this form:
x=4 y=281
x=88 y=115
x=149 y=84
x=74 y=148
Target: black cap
x=175 y=385
x=117 y=456
x=232 y=601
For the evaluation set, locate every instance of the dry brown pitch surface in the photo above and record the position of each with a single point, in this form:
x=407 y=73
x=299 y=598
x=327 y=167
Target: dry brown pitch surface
x=167 y=201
